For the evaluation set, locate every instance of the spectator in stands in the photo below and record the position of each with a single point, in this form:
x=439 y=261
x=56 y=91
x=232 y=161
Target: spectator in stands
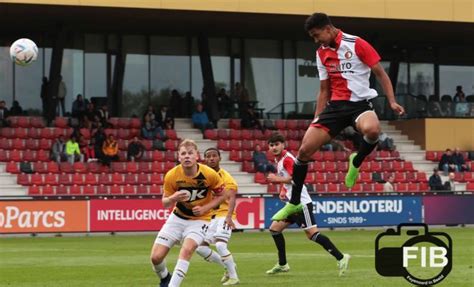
x=250 y=120
x=447 y=163
x=90 y=112
x=61 y=103
x=150 y=129
x=73 y=153
x=16 y=109
x=188 y=105
x=44 y=95
x=3 y=114
x=450 y=184
x=385 y=142
x=135 y=150
x=200 y=119
x=459 y=97
x=150 y=113
x=104 y=116
x=435 y=181
x=175 y=103
x=241 y=96
x=79 y=107
x=88 y=149
x=58 y=150
x=459 y=161
x=165 y=118
x=388 y=186
x=110 y=150
x=224 y=103
x=261 y=162
x=99 y=139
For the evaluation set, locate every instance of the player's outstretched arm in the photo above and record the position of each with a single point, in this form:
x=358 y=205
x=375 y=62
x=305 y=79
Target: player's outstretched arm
x=387 y=87
x=232 y=195
x=273 y=178
x=323 y=98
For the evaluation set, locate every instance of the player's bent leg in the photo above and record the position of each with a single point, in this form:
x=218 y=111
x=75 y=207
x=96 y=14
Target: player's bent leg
x=229 y=263
x=313 y=139
x=157 y=257
x=182 y=265
x=276 y=229
x=313 y=234
x=368 y=125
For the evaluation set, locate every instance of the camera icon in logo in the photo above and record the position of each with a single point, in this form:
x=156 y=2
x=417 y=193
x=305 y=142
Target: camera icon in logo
x=423 y=259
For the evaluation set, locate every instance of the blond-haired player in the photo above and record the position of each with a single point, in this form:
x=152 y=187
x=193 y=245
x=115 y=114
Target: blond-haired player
x=221 y=226
x=195 y=189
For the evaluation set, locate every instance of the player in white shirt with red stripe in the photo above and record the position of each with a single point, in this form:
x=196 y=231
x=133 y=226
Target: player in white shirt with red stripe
x=344 y=63
x=304 y=219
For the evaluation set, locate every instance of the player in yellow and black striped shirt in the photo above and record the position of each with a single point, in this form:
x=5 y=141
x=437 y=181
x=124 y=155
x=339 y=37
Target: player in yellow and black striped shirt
x=195 y=190
x=220 y=229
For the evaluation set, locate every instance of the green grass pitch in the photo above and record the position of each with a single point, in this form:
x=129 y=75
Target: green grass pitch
x=123 y=261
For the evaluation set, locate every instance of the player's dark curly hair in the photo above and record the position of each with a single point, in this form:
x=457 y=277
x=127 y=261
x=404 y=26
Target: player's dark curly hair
x=317 y=20
x=214 y=149
x=276 y=137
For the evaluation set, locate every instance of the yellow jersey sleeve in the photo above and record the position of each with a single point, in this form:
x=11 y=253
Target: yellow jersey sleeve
x=169 y=185
x=229 y=181
x=216 y=183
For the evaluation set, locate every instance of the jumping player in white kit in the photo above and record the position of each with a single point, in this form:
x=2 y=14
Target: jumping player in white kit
x=304 y=219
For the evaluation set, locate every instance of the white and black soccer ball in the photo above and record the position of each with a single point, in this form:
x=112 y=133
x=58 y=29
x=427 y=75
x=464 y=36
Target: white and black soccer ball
x=23 y=52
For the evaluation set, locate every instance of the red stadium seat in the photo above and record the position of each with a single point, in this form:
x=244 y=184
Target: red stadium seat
x=156 y=178
x=157 y=156
x=77 y=179
x=331 y=177
x=75 y=190
x=19 y=144
x=223 y=134
x=51 y=179
x=36 y=179
x=247 y=166
x=52 y=167
x=247 y=135
x=157 y=167
x=234 y=124
x=280 y=124
x=155 y=189
x=48 y=190
x=378 y=187
x=132 y=167
x=16 y=155
x=210 y=134
x=309 y=178
x=272 y=188
x=62 y=190
x=104 y=178
x=470 y=186
x=129 y=189
x=88 y=190
x=292 y=124
x=91 y=179
x=32 y=144
x=43 y=155
x=7 y=133
x=116 y=189
x=5 y=144
x=356 y=188
x=142 y=189
x=320 y=188
x=64 y=179
x=248 y=145
x=143 y=178
x=423 y=186
x=431 y=155
x=468 y=177
x=235 y=155
x=34 y=190
x=319 y=177
x=401 y=187
x=260 y=178
x=37 y=122
x=170 y=156
x=66 y=167
x=413 y=187
x=135 y=123
x=23 y=179
x=169 y=165
x=223 y=145
x=4 y=156
x=12 y=167
x=400 y=177
x=117 y=178
x=248 y=156
x=21 y=133
x=171 y=145
x=47 y=133
x=376 y=166
x=331 y=187
x=365 y=167
x=235 y=145
x=103 y=190
x=340 y=156
x=365 y=177
x=398 y=166
x=124 y=123
x=318 y=166
x=39 y=167
x=172 y=135
x=330 y=166
x=342 y=166
x=329 y=156
x=119 y=167
x=235 y=134
x=60 y=122
x=130 y=178
x=79 y=167
x=367 y=187
x=408 y=166
x=387 y=166
x=410 y=176
x=317 y=156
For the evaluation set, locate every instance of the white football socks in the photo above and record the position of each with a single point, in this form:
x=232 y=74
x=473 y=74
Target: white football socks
x=227 y=259
x=161 y=270
x=179 y=273
x=209 y=255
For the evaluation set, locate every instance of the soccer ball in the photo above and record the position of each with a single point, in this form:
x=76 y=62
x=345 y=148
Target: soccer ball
x=23 y=52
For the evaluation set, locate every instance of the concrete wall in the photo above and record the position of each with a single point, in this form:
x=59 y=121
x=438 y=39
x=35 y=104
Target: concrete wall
x=437 y=10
